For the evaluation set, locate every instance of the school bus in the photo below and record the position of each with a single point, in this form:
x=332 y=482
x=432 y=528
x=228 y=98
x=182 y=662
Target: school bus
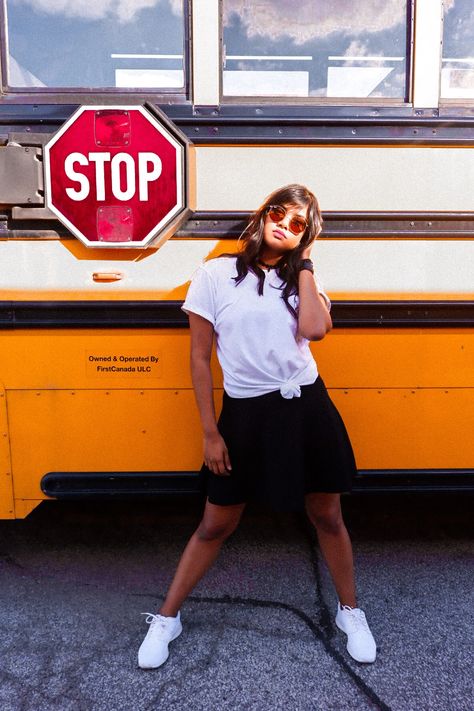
x=370 y=104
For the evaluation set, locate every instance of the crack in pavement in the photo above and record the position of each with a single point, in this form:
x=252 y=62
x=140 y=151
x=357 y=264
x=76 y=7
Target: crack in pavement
x=326 y=620
x=324 y=632
x=363 y=687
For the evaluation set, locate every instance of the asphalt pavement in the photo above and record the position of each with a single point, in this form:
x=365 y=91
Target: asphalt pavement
x=258 y=631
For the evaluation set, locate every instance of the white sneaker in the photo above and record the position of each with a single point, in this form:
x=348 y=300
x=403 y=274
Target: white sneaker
x=153 y=651
x=360 y=642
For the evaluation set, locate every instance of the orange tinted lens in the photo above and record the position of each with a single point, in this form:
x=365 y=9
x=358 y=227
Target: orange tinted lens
x=276 y=213
x=297 y=225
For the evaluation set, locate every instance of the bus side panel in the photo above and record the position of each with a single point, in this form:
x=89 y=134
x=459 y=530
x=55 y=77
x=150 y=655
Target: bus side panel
x=101 y=431
x=397 y=357
x=347 y=357
x=425 y=428
x=405 y=394
x=99 y=400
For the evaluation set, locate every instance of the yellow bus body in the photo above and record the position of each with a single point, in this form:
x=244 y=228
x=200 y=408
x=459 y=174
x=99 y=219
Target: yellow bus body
x=405 y=394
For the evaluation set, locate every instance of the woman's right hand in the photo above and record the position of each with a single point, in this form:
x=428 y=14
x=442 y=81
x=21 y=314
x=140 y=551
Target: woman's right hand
x=216 y=456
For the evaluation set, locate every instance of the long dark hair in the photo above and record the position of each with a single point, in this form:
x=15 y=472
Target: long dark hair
x=293 y=195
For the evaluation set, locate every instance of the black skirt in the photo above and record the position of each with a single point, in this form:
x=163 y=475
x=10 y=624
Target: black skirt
x=280 y=450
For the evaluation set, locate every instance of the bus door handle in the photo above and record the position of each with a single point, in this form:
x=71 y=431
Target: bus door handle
x=107 y=276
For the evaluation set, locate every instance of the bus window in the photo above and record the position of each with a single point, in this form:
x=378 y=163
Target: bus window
x=457 y=73
x=98 y=44
x=315 y=48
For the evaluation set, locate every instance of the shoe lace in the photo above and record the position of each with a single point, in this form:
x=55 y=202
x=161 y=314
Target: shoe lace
x=358 y=619
x=154 y=620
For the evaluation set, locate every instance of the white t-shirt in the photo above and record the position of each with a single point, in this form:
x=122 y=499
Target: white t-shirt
x=257 y=345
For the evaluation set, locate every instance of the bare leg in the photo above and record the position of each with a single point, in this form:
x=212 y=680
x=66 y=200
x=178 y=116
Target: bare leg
x=324 y=512
x=217 y=524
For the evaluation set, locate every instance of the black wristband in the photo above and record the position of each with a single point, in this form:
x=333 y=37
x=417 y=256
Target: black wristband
x=306 y=264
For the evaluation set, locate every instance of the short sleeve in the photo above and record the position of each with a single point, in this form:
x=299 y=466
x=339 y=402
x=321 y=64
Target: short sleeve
x=321 y=291
x=200 y=298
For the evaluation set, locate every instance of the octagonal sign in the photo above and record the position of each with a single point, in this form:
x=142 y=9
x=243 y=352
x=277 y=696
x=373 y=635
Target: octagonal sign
x=118 y=176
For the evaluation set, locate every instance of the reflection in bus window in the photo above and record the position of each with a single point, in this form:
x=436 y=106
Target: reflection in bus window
x=315 y=48
x=121 y=44
x=457 y=73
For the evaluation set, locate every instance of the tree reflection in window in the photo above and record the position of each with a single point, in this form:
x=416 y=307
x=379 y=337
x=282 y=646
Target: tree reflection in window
x=315 y=48
x=101 y=43
x=457 y=73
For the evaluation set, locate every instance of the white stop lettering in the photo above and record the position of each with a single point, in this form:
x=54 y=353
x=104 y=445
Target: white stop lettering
x=149 y=170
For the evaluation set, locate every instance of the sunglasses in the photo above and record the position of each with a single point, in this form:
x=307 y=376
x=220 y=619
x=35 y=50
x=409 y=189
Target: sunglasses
x=296 y=225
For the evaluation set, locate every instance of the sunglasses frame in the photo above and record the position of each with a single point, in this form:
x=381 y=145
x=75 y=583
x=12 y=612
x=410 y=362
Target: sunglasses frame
x=296 y=220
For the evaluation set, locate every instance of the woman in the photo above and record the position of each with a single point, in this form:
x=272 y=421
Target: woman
x=279 y=438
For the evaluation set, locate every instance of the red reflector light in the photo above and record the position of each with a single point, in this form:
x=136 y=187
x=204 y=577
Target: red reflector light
x=115 y=224
x=112 y=127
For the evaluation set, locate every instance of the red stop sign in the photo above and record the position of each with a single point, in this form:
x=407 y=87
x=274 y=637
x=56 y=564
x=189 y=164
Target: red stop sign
x=116 y=176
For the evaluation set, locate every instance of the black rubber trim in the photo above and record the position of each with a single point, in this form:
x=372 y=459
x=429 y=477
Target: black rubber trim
x=127 y=485
x=379 y=481
x=96 y=485
x=92 y=314
x=403 y=314
x=168 y=314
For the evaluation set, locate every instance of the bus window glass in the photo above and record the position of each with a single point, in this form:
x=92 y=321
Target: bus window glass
x=457 y=73
x=315 y=48
x=97 y=44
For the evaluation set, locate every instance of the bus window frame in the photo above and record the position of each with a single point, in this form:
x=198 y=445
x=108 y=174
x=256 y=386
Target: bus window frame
x=324 y=100
x=58 y=94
